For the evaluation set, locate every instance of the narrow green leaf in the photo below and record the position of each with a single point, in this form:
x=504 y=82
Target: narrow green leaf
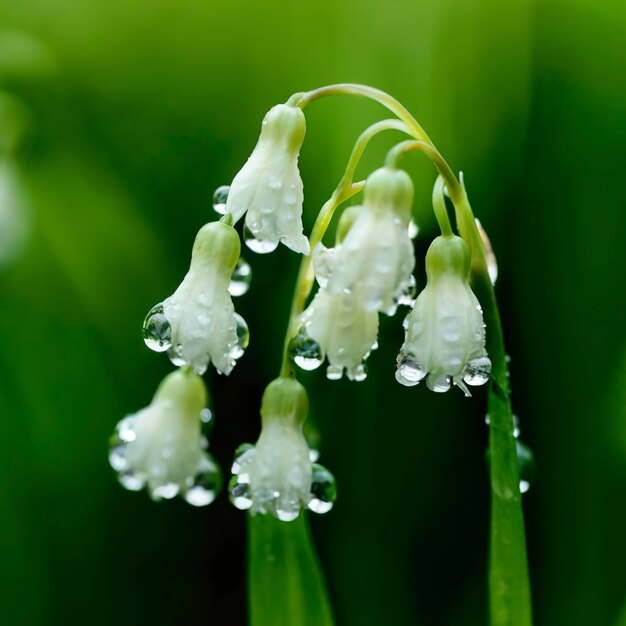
x=286 y=585
x=509 y=587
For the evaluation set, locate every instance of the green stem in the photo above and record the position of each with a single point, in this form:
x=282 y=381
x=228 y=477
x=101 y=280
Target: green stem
x=286 y=587
x=344 y=191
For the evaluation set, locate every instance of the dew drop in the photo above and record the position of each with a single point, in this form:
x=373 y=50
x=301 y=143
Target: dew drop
x=243 y=455
x=243 y=338
x=133 y=481
x=390 y=311
x=359 y=373
x=413 y=229
x=408 y=294
x=175 y=354
x=478 y=371
x=157 y=332
x=516 y=429
x=125 y=430
x=314 y=455
x=323 y=490
x=409 y=372
x=334 y=372
x=206 y=483
x=259 y=246
x=219 y=199
x=305 y=352
x=240 y=278
x=117 y=457
x=287 y=514
x=206 y=416
x=239 y=493
x=526 y=463
x=439 y=384
x=166 y=491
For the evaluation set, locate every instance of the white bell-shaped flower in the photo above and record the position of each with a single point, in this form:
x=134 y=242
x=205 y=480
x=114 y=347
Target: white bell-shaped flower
x=268 y=188
x=376 y=254
x=161 y=447
x=276 y=476
x=445 y=332
x=198 y=324
x=345 y=331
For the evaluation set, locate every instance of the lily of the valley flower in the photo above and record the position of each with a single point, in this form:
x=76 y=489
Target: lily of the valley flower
x=161 y=447
x=198 y=323
x=345 y=331
x=376 y=256
x=268 y=189
x=445 y=332
x=276 y=475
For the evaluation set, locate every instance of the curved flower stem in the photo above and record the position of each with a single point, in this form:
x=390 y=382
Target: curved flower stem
x=344 y=191
x=439 y=205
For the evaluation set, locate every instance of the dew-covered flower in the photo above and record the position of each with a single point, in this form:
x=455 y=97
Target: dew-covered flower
x=445 y=332
x=376 y=255
x=343 y=329
x=161 y=447
x=276 y=476
x=268 y=188
x=197 y=324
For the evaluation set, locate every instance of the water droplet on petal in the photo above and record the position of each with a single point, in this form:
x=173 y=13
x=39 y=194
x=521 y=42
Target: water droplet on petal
x=125 y=430
x=132 y=481
x=259 y=246
x=243 y=455
x=409 y=372
x=359 y=373
x=287 y=514
x=334 y=372
x=305 y=352
x=239 y=493
x=439 y=384
x=243 y=338
x=206 y=483
x=117 y=457
x=323 y=490
x=157 y=332
x=240 y=278
x=413 y=229
x=314 y=454
x=478 y=371
x=219 y=199
x=167 y=491
x=408 y=294
x=175 y=354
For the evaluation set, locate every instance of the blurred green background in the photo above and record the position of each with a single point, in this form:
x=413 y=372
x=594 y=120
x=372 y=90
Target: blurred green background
x=133 y=113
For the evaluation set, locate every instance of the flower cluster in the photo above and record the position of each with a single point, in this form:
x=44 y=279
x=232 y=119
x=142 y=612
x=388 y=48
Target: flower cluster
x=369 y=271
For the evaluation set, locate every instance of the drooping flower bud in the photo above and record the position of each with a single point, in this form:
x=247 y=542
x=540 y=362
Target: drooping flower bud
x=161 y=447
x=376 y=253
x=344 y=330
x=268 y=188
x=198 y=324
x=445 y=332
x=276 y=475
